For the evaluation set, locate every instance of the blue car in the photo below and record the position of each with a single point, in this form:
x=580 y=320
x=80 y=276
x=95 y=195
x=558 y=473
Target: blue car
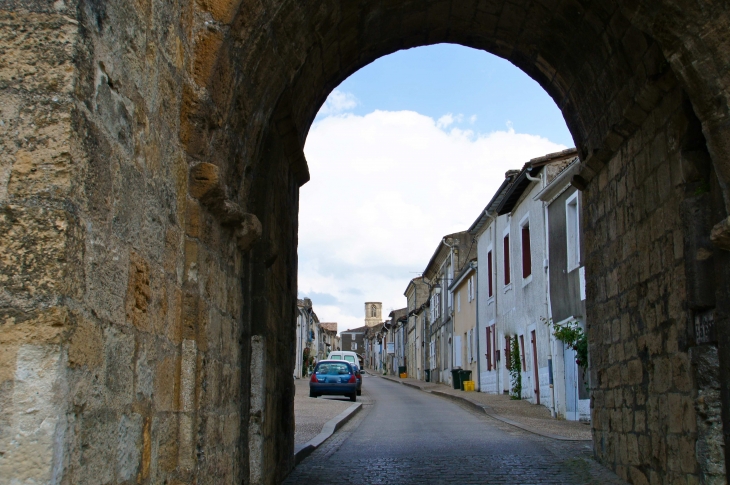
x=334 y=378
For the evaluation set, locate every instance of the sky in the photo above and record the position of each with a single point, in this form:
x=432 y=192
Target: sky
x=406 y=150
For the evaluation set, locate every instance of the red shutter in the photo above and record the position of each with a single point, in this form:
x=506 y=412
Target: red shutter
x=508 y=352
x=489 y=348
x=506 y=260
x=494 y=343
x=491 y=271
x=526 y=256
x=522 y=352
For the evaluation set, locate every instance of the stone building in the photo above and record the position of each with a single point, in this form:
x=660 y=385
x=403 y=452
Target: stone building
x=566 y=291
x=373 y=313
x=327 y=339
x=417 y=294
x=465 y=340
x=513 y=302
x=450 y=256
x=353 y=340
x=148 y=221
x=307 y=323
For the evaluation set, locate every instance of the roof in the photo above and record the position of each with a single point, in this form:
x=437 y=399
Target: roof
x=560 y=182
x=356 y=330
x=398 y=314
x=469 y=268
x=430 y=270
x=481 y=221
x=329 y=326
x=374 y=329
x=533 y=167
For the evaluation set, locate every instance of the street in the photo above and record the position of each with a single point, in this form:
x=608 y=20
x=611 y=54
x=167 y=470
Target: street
x=406 y=436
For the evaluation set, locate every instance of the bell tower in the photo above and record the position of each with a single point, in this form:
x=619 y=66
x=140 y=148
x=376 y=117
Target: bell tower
x=373 y=313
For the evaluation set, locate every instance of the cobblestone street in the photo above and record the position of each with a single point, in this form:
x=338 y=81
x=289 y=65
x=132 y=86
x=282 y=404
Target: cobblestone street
x=406 y=436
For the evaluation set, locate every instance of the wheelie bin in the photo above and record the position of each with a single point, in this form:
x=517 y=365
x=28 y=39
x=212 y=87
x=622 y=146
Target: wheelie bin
x=464 y=375
x=456 y=378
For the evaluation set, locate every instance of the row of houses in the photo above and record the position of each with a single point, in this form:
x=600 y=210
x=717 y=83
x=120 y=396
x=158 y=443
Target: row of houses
x=504 y=299
x=314 y=340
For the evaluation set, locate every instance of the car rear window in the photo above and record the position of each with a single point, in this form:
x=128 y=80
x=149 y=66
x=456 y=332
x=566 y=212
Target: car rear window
x=335 y=357
x=332 y=368
x=350 y=359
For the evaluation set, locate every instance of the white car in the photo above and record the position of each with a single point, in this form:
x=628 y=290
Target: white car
x=353 y=359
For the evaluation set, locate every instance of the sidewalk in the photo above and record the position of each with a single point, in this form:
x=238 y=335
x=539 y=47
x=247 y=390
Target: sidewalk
x=310 y=415
x=533 y=418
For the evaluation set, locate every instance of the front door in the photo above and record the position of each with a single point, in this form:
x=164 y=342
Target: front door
x=534 y=367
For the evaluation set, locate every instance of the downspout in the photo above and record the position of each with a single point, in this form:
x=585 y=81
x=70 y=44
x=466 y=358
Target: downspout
x=446 y=286
x=493 y=223
x=476 y=294
x=547 y=293
x=546 y=267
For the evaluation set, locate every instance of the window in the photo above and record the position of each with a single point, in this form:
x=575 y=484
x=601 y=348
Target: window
x=490 y=270
x=458 y=301
x=468 y=350
x=506 y=261
x=352 y=336
x=572 y=231
x=354 y=346
x=470 y=286
x=526 y=254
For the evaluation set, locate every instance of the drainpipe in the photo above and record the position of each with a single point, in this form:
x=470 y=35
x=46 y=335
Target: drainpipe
x=446 y=285
x=546 y=266
x=476 y=295
x=493 y=223
x=547 y=294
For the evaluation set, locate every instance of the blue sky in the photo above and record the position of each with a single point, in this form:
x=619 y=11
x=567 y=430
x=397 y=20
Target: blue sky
x=406 y=150
x=448 y=78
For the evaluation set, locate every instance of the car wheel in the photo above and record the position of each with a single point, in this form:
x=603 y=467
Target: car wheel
x=311 y=394
x=353 y=397
x=359 y=392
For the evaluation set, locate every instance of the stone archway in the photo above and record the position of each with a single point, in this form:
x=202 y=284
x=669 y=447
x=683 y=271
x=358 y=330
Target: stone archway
x=149 y=194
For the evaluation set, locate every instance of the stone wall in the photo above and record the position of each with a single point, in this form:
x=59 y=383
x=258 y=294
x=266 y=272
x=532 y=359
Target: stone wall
x=654 y=403
x=127 y=349
x=150 y=160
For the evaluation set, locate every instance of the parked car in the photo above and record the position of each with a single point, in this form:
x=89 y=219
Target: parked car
x=353 y=359
x=334 y=378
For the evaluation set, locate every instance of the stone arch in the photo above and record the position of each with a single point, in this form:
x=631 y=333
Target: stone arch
x=164 y=230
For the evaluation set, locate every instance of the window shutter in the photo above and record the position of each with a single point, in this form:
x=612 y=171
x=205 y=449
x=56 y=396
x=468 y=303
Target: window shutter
x=489 y=348
x=526 y=256
x=506 y=260
x=508 y=352
x=490 y=270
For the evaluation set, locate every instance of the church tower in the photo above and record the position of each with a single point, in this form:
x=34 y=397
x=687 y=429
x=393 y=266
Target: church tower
x=373 y=313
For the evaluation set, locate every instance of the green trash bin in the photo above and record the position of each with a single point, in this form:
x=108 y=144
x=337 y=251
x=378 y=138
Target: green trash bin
x=456 y=378
x=428 y=375
x=464 y=375
x=401 y=369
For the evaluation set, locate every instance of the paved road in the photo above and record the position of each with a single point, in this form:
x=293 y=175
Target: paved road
x=406 y=436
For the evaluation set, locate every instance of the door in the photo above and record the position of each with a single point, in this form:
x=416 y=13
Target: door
x=534 y=367
x=457 y=350
x=571 y=384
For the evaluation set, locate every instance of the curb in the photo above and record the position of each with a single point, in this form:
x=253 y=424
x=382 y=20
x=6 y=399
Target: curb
x=486 y=410
x=329 y=428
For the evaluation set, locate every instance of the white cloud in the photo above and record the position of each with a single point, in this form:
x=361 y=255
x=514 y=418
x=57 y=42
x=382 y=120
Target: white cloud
x=473 y=119
x=384 y=189
x=448 y=120
x=338 y=102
